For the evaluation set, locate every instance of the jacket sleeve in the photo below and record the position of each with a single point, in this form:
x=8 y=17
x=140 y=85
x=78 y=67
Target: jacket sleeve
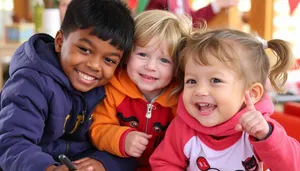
x=169 y=155
x=23 y=112
x=206 y=13
x=105 y=131
x=279 y=151
x=114 y=163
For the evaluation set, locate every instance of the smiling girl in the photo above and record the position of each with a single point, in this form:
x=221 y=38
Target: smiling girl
x=223 y=121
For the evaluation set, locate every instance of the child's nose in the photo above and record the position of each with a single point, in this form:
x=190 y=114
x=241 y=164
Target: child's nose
x=201 y=90
x=95 y=63
x=151 y=65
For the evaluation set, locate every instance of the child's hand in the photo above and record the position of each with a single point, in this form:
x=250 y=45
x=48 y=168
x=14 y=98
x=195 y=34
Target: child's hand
x=89 y=164
x=135 y=143
x=253 y=121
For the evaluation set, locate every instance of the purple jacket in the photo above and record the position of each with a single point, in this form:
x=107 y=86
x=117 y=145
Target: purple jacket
x=40 y=110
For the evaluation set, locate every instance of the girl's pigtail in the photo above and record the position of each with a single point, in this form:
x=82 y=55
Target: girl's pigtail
x=284 y=61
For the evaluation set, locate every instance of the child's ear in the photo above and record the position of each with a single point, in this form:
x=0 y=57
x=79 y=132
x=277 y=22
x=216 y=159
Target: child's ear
x=59 y=40
x=256 y=91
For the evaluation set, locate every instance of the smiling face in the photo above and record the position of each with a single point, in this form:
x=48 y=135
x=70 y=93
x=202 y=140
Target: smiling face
x=213 y=93
x=88 y=61
x=150 y=68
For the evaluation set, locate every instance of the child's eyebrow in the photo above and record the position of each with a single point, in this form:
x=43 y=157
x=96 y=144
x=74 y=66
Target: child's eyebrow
x=92 y=44
x=87 y=41
x=115 y=54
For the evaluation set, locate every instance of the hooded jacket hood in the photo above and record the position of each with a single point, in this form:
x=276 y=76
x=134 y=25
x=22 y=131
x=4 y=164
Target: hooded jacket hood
x=38 y=53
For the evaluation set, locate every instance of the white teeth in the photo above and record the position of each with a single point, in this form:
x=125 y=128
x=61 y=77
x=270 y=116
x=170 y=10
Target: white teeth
x=89 y=78
x=205 y=105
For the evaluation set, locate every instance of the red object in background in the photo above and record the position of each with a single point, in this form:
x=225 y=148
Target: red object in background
x=293 y=5
x=132 y=4
x=290 y=123
x=292 y=108
x=297 y=65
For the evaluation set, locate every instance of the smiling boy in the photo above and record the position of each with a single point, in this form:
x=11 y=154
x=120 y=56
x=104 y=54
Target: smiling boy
x=54 y=85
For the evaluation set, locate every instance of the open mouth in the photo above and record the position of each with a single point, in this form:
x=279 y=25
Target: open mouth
x=86 y=76
x=148 y=77
x=205 y=107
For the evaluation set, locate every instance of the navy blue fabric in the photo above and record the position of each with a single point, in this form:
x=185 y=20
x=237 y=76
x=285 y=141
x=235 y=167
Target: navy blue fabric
x=35 y=102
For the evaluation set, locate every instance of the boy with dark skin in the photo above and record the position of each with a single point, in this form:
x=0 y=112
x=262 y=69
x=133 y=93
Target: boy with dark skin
x=54 y=85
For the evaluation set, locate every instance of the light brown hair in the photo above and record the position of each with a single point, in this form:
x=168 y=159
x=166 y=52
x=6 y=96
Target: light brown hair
x=165 y=27
x=243 y=52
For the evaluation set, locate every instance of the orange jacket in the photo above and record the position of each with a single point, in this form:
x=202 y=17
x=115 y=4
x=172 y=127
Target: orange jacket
x=123 y=110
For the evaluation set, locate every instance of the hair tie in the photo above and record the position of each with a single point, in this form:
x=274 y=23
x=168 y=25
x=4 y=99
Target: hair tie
x=263 y=42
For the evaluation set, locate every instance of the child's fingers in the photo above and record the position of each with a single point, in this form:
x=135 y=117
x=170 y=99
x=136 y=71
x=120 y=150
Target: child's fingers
x=247 y=117
x=246 y=121
x=143 y=138
x=248 y=126
x=142 y=134
x=86 y=167
x=248 y=102
x=136 y=154
x=239 y=127
x=143 y=141
x=81 y=160
x=255 y=129
x=84 y=164
x=141 y=147
x=149 y=136
x=90 y=168
x=138 y=151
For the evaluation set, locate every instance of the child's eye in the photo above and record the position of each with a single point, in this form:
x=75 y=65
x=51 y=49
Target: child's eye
x=110 y=60
x=190 y=81
x=85 y=50
x=142 y=54
x=164 y=60
x=215 y=80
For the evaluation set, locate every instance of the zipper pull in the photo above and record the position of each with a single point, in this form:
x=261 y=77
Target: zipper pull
x=83 y=113
x=149 y=111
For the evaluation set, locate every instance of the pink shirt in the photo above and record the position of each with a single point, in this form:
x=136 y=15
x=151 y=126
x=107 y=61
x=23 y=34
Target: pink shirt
x=188 y=145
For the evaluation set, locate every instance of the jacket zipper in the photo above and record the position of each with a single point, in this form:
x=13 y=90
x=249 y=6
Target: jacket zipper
x=148 y=116
x=67 y=148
